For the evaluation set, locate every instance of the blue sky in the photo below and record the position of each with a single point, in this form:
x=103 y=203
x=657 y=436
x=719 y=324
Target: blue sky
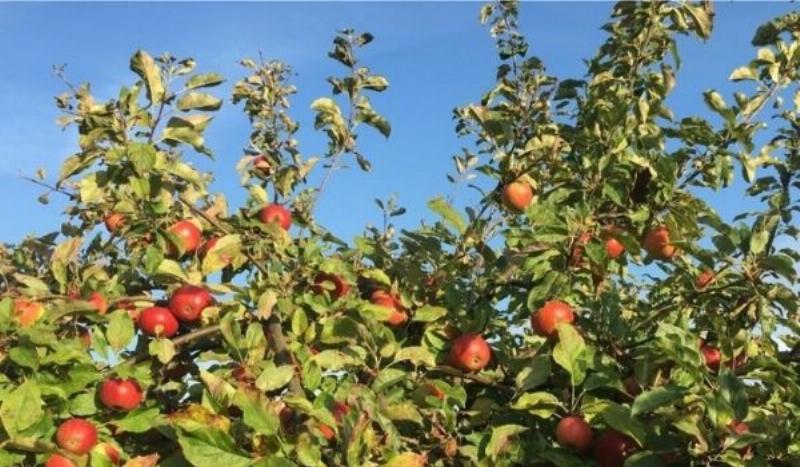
x=435 y=55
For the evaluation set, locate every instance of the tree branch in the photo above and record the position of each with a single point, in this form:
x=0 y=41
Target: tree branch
x=282 y=356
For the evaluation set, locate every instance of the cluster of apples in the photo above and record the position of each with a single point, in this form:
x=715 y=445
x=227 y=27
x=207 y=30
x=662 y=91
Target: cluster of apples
x=185 y=306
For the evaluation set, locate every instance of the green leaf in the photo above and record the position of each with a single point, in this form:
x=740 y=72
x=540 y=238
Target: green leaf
x=448 y=214
x=734 y=392
x=163 y=349
x=416 y=355
x=743 y=73
x=275 y=377
x=211 y=447
x=571 y=353
x=142 y=156
x=255 y=413
x=502 y=438
x=429 y=313
x=541 y=404
x=222 y=253
x=619 y=418
x=21 y=408
x=535 y=374
x=198 y=101
x=335 y=359
x=120 y=330
x=143 y=65
x=655 y=398
x=204 y=80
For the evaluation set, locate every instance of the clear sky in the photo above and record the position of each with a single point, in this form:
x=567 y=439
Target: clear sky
x=435 y=55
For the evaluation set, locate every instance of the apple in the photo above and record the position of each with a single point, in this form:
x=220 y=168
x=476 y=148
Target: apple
x=517 y=195
x=276 y=213
x=27 y=312
x=614 y=248
x=189 y=301
x=706 y=277
x=158 y=321
x=286 y=415
x=333 y=284
x=470 y=352
x=387 y=300
x=114 y=221
x=433 y=390
x=77 y=436
x=546 y=319
x=738 y=362
x=739 y=428
x=57 y=460
x=711 y=355
x=574 y=432
x=261 y=164
x=188 y=234
x=122 y=394
x=99 y=302
x=612 y=448
x=111 y=452
x=339 y=411
x=657 y=243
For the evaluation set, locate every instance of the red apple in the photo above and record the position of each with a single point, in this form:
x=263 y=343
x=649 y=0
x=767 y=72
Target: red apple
x=614 y=248
x=470 y=352
x=122 y=394
x=278 y=214
x=546 y=319
x=189 y=301
x=517 y=195
x=711 y=355
x=574 y=432
x=261 y=164
x=57 y=460
x=706 y=277
x=158 y=321
x=657 y=243
x=27 y=312
x=612 y=448
x=333 y=284
x=339 y=411
x=77 y=436
x=99 y=302
x=114 y=221
x=385 y=299
x=188 y=234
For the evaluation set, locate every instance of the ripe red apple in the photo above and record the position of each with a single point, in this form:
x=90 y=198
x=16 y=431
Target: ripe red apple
x=158 y=321
x=574 y=432
x=546 y=319
x=57 y=460
x=711 y=355
x=385 y=299
x=333 y=284
x=114 y=221
x=706 y=277
x=278 y=214
x=99 y=302
x=657 y=243
x=470 y=352
x=77 y=436
x=517 y=195
x=27 y=312
x=612 y=448
x=189 y=235
x=189 y=301
x=122 y=394
x=614 y=248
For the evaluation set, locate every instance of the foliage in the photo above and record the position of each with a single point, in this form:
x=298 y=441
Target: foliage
x=290 y=368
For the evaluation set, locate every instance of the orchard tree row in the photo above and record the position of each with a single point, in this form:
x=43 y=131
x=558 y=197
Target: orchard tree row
x=590 y=309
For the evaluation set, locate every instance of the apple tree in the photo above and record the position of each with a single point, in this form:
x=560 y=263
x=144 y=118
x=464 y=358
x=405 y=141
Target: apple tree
x=591 y=308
